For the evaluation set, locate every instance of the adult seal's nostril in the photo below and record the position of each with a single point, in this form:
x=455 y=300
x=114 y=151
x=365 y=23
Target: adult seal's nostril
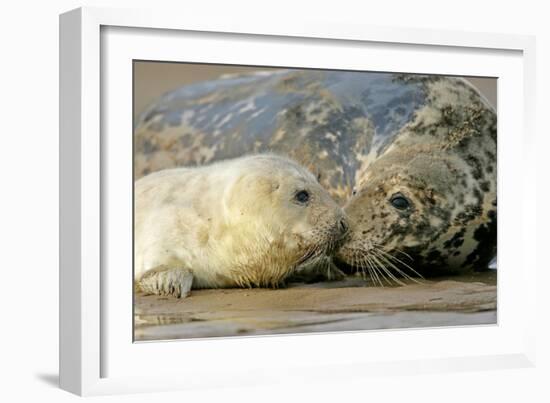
x=343 y=226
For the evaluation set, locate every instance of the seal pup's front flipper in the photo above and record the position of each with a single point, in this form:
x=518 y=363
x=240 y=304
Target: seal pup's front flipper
x=164 y=280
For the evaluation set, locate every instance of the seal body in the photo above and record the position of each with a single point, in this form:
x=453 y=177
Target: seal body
x=319 y=119
x=371 y=138
x=237 y=223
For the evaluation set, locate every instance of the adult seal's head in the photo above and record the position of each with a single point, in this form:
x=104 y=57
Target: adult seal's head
x=246 y=222
x=427 y=202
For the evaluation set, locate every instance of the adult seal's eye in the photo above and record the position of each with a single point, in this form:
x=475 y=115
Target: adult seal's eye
x=400 y=202
x=302 y=196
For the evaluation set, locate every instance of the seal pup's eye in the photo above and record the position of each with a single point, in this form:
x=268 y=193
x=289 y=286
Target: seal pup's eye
x=302 y=196
x=400 y=202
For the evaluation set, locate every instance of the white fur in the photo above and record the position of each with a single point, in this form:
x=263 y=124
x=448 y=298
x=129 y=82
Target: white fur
x=222 y=220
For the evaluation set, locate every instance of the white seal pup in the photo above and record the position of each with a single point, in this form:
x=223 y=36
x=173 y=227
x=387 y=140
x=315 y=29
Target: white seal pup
x=245 y=222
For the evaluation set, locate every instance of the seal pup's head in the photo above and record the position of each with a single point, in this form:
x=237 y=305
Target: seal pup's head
x=280 y=218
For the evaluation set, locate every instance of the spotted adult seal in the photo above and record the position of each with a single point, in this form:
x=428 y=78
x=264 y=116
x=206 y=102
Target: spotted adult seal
x=411 y=157
x=428 y=198
x=246 y=222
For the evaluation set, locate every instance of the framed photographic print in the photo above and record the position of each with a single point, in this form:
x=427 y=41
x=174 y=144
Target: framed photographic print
x=410 y=157
x=279 y=191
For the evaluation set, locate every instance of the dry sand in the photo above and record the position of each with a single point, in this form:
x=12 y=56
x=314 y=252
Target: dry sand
x=352 y=304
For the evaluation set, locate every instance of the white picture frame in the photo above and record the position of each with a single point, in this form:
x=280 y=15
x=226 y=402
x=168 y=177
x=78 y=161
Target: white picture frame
x=97 y=355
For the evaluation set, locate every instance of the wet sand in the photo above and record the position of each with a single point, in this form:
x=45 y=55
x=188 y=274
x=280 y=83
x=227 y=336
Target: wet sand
x=351 y=304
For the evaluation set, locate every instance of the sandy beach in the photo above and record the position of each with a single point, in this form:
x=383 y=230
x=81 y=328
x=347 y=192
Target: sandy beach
x=348 y=305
